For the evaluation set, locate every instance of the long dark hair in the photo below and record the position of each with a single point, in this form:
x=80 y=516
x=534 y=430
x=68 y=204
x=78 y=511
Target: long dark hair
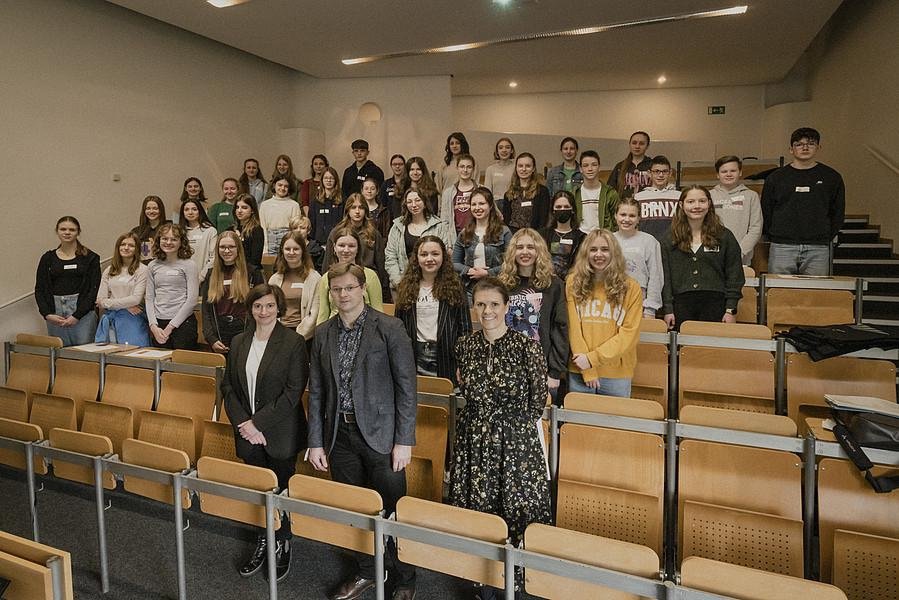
x=712 y=229
x=143 y=228
x=253 y=221
x=494 y=222
x=201 y=197
x=243 y=183
x=202 y=218
x=80 y=249
x=627 y=162
x=426 y=186
x=323 y=159
x=460 y=137
x=447 y=286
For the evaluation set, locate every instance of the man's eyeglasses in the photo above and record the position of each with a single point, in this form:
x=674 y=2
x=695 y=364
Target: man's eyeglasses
x=805 y=144
x=339 y=290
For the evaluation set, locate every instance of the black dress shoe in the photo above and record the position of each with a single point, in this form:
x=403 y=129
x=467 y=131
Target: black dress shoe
x=352 y=588
x=282 y=560
x=257 y=559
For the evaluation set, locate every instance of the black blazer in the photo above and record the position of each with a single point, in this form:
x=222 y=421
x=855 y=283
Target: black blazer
x=280 y=383
x=385 y=393
x=452 y=323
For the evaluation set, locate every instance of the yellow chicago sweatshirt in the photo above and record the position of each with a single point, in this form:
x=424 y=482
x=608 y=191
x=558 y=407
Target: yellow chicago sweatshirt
x=607 y=335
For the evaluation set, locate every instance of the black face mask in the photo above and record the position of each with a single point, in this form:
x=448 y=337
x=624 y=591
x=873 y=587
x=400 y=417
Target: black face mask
x=563 y=216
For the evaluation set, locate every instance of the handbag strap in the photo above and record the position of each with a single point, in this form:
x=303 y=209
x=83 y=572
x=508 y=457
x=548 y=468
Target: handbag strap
x=882 y=484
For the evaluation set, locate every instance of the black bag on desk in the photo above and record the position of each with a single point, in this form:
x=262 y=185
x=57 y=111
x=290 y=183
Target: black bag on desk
x=873 y=430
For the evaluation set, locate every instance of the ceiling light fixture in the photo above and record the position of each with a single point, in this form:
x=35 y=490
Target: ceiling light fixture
x=513 y=84
x=225 y=3
x=706 y=14
x=662 y=79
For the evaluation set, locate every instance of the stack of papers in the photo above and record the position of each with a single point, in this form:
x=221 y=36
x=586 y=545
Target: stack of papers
x=863 y=404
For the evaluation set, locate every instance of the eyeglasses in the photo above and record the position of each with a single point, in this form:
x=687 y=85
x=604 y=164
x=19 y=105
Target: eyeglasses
x=347 y=289
x=805 y=144
x=660 y=171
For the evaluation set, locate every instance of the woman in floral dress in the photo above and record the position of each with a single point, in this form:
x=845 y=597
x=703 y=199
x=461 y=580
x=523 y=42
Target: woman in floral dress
x=499 y=465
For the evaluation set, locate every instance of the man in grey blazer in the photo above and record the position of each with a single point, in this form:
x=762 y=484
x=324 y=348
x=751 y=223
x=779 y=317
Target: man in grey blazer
x=362 y=407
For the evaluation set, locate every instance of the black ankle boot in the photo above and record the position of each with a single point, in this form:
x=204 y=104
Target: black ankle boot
x=282 y=560
x=256 y=560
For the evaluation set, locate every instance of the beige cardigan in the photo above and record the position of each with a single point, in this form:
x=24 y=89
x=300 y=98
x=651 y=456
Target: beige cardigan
x=308 y=301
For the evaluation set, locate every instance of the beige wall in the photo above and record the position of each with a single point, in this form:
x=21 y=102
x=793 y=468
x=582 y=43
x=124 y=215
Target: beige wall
x=855 y=93
x=415 y=116
x=90 y=89
x=677 y=117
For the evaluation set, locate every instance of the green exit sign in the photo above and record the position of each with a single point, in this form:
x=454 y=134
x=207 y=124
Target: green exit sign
x=716 y=110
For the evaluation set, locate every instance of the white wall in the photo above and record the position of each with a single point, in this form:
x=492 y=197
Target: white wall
x=855 y=92
x=674 y=116
x=91 y=89
x=416 y=117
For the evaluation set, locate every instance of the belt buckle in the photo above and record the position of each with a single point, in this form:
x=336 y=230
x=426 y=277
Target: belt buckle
x=349 y=418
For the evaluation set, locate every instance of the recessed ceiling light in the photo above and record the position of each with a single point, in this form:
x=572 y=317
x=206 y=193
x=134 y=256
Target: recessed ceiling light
x=706 y=14
x=502 y=2
x=513 y=84
x=225 y=3
x=662 y=79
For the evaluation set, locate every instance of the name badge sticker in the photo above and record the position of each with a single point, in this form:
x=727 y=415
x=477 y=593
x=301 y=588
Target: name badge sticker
x=69 y=267
x=566 y=241
x=296 y=286
x=526 y=203
x=224 y=214
x=226 y=282
x=803 y=188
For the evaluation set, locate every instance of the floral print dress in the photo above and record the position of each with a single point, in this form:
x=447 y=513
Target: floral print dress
x=499 y=465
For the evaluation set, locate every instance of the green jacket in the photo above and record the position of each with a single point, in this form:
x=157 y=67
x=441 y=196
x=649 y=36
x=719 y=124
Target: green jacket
x=608 y=202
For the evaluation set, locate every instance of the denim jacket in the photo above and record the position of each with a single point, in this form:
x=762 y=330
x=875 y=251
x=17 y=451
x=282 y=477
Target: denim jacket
x=463 y=254
x=555 y=179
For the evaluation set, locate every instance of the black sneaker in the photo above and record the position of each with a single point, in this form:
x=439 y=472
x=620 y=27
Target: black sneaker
x=282 y=560
x=257 y=559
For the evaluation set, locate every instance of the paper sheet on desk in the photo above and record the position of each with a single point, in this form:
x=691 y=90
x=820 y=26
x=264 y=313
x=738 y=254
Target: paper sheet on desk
x=151 y=353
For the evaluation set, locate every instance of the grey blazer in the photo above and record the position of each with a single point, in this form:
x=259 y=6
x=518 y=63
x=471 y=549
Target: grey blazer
x=384 y=384
x=280 y=382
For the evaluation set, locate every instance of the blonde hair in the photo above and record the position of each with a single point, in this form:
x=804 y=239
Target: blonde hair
x=583 y=280
x=543 y=266
x=295 y=223
x=240 y=279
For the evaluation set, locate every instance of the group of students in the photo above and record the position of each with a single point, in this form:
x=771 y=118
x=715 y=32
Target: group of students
x=558 y=272
x=684 y=248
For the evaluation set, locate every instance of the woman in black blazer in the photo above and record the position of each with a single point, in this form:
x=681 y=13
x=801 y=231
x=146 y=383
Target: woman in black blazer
x=431 y=303
x=265 y=376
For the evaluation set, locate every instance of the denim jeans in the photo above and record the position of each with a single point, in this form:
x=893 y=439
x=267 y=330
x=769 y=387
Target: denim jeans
x=799 y=259
x=80 y=333
x=121 y=327
x=608 y=386
x=273 y=240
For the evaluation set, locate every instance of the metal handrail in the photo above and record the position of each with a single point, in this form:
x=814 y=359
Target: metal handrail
x=103 y=262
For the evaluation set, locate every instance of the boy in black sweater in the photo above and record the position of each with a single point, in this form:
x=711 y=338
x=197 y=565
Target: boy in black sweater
x=803 y=204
